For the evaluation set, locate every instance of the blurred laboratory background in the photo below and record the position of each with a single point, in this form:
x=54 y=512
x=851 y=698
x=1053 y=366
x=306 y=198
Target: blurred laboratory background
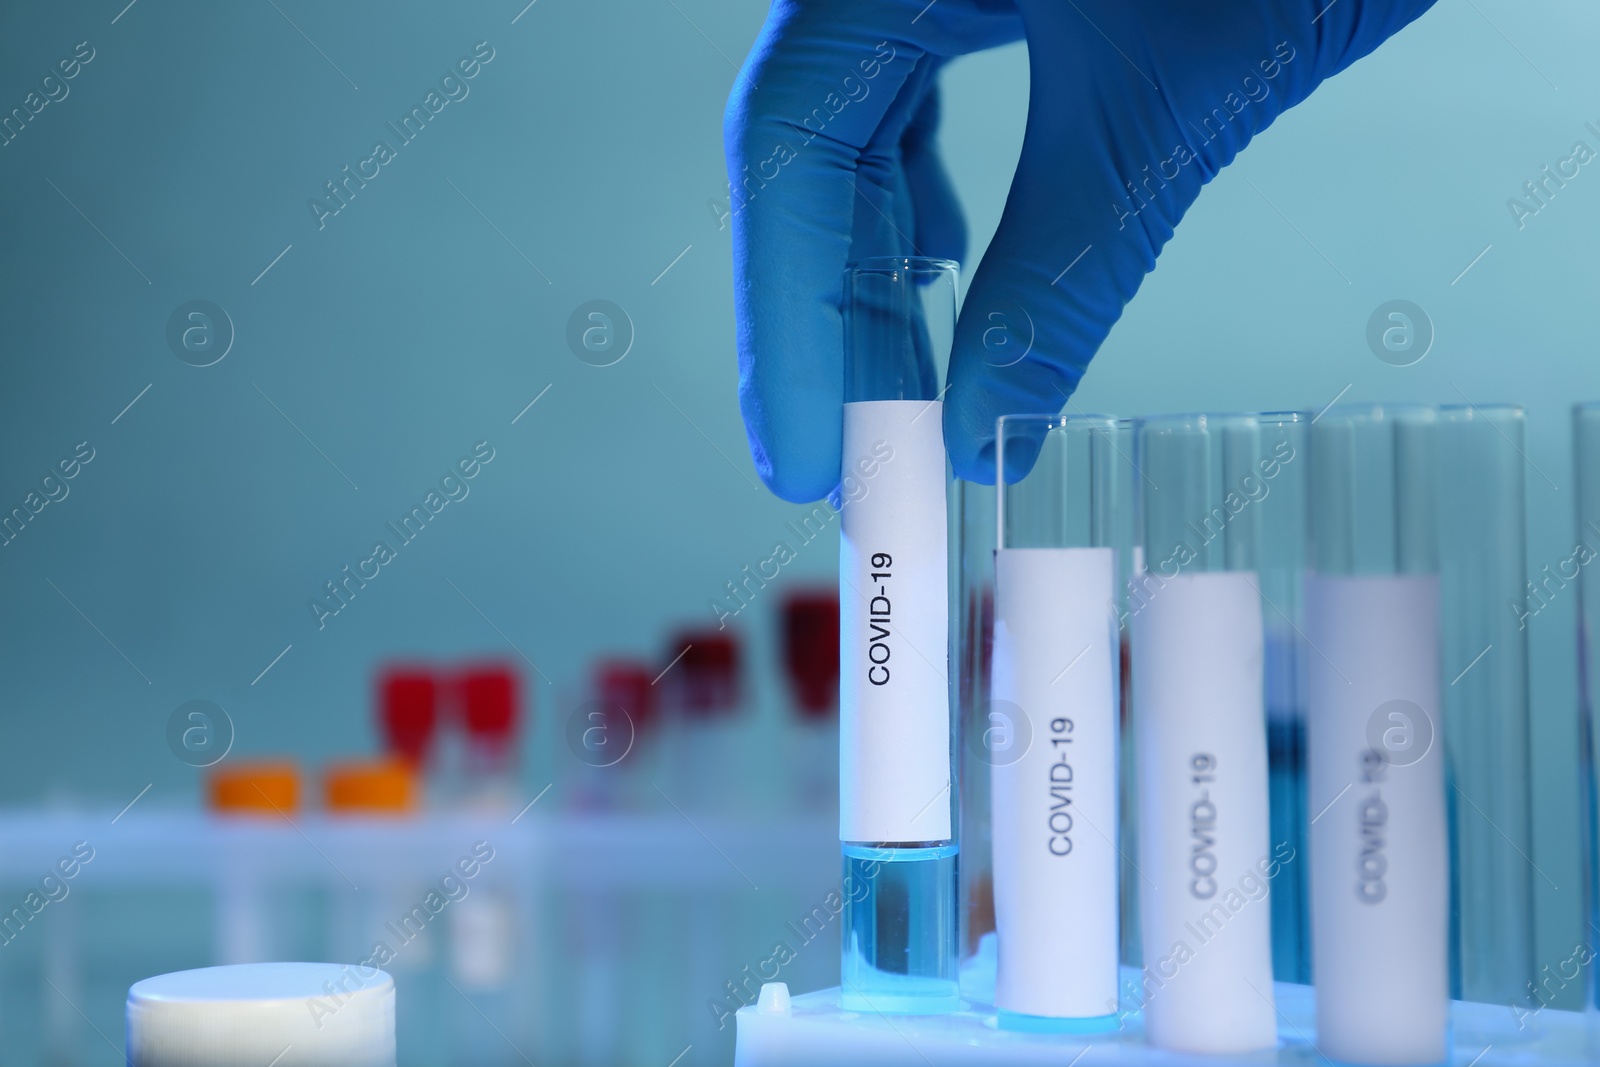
x=594 y=662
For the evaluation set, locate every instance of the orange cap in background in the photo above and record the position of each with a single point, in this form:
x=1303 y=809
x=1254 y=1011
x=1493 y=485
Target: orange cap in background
x=263 y=787
x=371 y=787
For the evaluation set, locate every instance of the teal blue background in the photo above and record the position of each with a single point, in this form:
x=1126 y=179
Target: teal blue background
x=620 y=503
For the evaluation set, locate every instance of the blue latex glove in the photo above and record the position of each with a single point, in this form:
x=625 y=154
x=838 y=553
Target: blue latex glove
x=1134 y=105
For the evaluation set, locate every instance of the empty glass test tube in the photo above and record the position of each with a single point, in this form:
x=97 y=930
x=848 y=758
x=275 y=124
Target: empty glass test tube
x=896 y=731
x=1051 y=739
x=1482 y=582
x=1586 y=471
x=1380 y=868
x=1205 y=849
x=972 y=643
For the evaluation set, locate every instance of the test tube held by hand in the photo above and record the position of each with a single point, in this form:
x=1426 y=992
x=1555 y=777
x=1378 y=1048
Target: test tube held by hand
x=896 y=825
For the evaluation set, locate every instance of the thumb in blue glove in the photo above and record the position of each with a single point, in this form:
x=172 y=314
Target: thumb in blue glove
x=1133 y=108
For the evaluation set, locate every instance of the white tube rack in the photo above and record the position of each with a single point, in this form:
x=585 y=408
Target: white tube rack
x=803 y=1031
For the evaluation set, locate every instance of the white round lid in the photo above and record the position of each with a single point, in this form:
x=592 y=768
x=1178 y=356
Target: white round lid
x=254 y=1014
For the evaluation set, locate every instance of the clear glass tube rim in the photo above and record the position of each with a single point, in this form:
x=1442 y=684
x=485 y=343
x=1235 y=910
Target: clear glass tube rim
x=1496 y=410
x=1203 y=421
x=1378 y=411
x=902 y=264
x=1063 y=420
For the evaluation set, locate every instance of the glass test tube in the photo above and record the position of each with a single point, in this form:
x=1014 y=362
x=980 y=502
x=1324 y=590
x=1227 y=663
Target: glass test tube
x=1282 y=521
x=1586 y=472
x=1051 y=738
x=896 y=736
x=972 y=643
x=1205 y=850
x=1483 y=571
x=1380 y=885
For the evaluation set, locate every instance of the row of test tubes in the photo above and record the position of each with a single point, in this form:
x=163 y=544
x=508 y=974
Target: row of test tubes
x=1235 y=698
x=1302 y=633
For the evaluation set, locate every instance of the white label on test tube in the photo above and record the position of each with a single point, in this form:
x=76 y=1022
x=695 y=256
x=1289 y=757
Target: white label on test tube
x=1205 y=857
x=1380 y=890
x=1052 y=743
x=894 y=705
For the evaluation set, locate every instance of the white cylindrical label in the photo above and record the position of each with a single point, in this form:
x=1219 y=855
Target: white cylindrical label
x=1052 y=744
x=1204 y=846
x=894 y=703
x=1380 y=872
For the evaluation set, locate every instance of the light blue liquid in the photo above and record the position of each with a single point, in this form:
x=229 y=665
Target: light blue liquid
x=1050 y=1024
x=899 y=934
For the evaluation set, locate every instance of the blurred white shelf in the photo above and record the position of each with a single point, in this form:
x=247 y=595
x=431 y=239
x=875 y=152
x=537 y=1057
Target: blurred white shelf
x=810 y=1029
x=594 y=850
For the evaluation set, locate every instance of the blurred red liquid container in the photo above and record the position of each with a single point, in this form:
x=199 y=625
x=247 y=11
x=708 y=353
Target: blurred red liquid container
x=488 y=699
x=408 y=712
x=811 y=651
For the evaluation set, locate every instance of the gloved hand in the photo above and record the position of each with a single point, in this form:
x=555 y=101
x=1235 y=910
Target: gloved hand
x=1134 y=105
